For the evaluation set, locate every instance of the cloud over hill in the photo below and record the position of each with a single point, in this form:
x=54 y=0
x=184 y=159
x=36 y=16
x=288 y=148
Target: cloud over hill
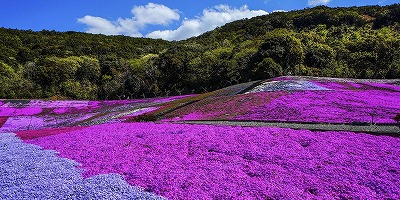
x=157 y=14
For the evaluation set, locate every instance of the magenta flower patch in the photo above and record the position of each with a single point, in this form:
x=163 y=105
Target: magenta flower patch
x=302 y=101
x=15 y=111
x=3 y=120
x=18 y=123
x=27 y=135
x=222 y=162
x=5 y=111
x=385 y=86
x=335 y=85
x=44 y=114
x=330 y=107
x=226 y=107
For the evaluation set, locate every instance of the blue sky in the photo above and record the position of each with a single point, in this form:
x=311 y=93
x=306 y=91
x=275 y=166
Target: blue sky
x=171 y=20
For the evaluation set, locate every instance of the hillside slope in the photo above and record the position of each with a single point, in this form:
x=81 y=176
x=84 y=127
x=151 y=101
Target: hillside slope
x=303 y=100
x=119 y=157
x=289 y=99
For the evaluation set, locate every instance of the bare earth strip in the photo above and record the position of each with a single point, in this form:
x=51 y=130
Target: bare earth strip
x=373 y=129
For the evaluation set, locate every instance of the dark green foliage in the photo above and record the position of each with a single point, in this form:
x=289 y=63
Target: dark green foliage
x=358 y=42
x=283 y=47
x=389 y=17
x=319 y=56
x=144 y=118
x=267 y=68
x=397 y=119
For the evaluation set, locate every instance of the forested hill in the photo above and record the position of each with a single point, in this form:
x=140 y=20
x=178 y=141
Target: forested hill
x=359 y=42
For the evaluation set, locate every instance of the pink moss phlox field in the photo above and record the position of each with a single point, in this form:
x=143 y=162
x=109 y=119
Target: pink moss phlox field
x=139 y=112
x=330 y=106
x=343 y=103
x=3 y=120
x=5 y=111
x=18 y=123
x=31 y=134
x=349 y=85
x=223 y=107
x=40 y=114
x=221 y=162
x=332 y=85
x=168 y=99
x=384 y=85
x=29 y=111
x=9 y=111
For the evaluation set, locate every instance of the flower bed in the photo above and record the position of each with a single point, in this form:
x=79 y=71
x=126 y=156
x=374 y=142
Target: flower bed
x=31 y=134
x=329 y=107
x=3 y=120
x=340 y=102
x=286 y=85
x=28 y=172
x=386 y=86
x=18 y=123
x=19 y=115
x=222 y=107
x=222 y=162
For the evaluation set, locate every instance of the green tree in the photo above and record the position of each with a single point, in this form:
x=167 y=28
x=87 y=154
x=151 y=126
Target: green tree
x=88 y=69
x=79 y=90
x=267 y=68
x=319 y=56
x=283 y=47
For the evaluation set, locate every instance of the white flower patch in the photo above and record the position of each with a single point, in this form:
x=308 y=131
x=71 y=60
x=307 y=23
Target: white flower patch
x=58 y=103
x=286 y=85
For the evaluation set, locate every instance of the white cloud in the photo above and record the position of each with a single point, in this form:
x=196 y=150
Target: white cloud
x=211 y=18
x=318 y=2
x=154 y=14
x=98 y=25
x=274 y=11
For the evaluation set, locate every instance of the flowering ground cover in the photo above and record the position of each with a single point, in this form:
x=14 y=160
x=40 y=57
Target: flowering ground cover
x=3 y=120
x=18 y=115
x=330 y=107
x=225 y=107
x=31 y=134
x=103 y=156
x=302 y=100
x=286 y=85
x=394 y=87
x=224 y=92
x=359 y=85
x=180 y=161
x=29 y=172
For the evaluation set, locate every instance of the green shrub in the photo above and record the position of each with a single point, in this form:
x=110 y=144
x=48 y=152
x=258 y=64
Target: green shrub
x=397 y=119
x=145 y=118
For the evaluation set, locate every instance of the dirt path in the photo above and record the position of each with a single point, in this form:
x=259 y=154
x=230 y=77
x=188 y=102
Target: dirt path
x=374 y=129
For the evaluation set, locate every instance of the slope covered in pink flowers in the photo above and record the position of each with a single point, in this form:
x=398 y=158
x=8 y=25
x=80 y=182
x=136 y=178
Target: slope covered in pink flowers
x=221 y=162
x=19 y=115
x=181 y=161
x=299 y=99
